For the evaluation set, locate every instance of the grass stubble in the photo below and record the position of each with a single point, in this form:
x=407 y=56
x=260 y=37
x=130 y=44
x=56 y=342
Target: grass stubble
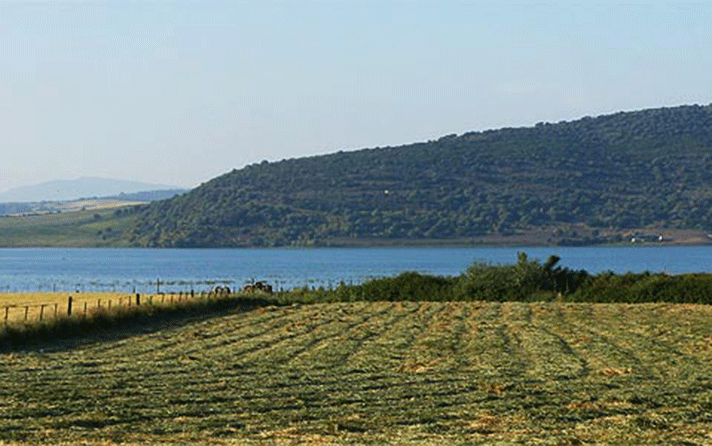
x=383 y=372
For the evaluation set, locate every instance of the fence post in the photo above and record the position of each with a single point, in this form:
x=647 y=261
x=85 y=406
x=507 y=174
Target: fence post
x=42 y=311
x=138 y=299
x=69 y=306
x=7 y=312
x=26 y=310
x=85 y=309
x=56 y=307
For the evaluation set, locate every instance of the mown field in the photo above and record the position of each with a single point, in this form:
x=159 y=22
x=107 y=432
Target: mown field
x=390 y=372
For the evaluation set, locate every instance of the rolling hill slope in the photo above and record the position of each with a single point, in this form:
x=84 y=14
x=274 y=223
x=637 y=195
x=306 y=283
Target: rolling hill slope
x=582 y=181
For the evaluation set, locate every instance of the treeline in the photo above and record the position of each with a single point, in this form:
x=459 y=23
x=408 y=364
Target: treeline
x=645 y=169
x=527 y=280
x=149 y=195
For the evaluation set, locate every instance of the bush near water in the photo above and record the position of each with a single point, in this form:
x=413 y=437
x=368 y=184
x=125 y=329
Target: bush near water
x=527 y=280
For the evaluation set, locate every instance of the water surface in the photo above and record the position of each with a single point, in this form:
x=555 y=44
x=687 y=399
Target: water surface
x=47 y=269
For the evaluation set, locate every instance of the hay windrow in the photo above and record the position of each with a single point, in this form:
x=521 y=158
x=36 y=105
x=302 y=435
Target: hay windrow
x=354 y=373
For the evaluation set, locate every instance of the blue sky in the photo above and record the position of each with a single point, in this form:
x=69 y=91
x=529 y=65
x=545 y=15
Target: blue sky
x=179 y=92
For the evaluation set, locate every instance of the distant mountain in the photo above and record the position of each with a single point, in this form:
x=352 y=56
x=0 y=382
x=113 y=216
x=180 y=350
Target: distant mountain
x=86 y=187
x=573 y=182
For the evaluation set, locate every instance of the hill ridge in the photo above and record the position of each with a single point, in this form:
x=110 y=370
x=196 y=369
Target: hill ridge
x=584 y=180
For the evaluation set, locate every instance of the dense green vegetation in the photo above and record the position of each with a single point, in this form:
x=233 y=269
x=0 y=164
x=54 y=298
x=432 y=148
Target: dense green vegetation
x=526 y=280
x=645 y=169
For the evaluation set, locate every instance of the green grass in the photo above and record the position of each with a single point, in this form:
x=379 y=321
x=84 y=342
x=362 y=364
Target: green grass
x=66 y=229
x=375 y=373
x=525 y=281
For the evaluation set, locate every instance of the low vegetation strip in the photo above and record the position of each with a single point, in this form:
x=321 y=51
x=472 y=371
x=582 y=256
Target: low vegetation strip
x=36 y=318
x=526 y=280
x=380 y=372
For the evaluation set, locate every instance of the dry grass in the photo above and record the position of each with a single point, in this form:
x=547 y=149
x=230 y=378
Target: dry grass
x=28 y=307
x=378 y=373
x=16 y=305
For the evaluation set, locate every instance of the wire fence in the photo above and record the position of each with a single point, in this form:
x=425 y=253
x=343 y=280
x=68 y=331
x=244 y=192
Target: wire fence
x=76 y=305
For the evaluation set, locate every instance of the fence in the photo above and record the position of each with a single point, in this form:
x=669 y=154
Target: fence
x=77 y=306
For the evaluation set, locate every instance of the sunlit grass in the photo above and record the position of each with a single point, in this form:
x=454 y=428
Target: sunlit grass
x=30 y=306
x=377 y=373
x=38 y=317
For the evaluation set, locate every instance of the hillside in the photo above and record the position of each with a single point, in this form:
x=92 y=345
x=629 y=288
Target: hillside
x=584 y=181
x=101 y=226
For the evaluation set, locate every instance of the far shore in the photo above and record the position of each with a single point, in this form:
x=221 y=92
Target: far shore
x=537 y=237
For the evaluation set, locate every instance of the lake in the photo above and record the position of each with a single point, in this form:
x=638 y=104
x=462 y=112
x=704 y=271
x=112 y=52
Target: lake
x=55 y=269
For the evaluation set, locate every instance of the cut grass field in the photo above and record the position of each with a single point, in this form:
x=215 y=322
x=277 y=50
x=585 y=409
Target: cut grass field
x=385 y=372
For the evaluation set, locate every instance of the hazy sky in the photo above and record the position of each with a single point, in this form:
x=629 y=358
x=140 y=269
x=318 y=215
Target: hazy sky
x=179 y=92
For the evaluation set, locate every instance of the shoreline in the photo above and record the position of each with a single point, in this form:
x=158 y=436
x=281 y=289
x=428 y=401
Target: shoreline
x=574 y=236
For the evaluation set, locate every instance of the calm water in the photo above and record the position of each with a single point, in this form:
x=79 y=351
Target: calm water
x=128 y=269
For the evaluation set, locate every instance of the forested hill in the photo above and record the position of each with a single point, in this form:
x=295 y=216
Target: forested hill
x=643 y=169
